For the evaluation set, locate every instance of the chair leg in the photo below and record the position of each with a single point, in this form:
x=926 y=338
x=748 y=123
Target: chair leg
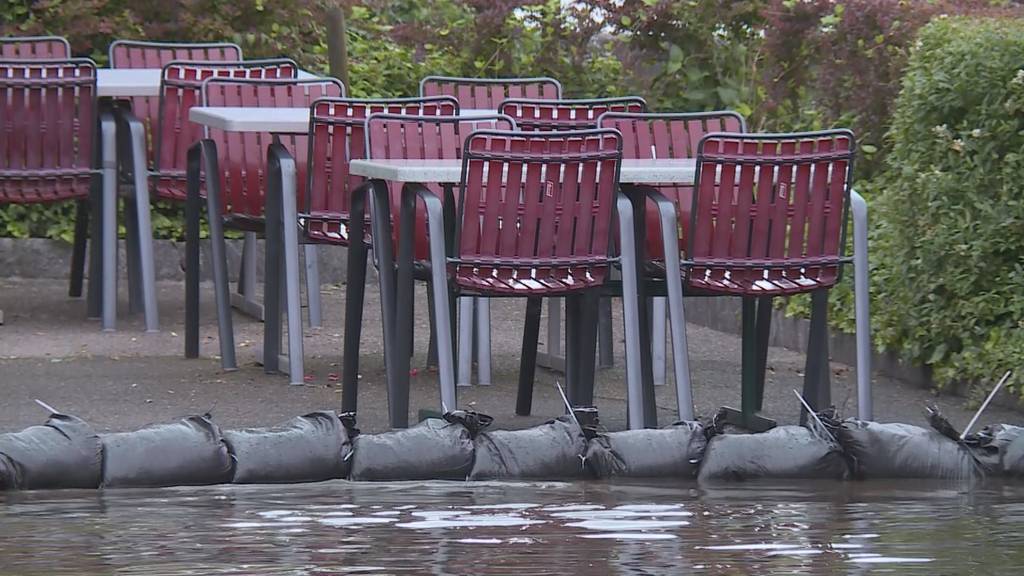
x=311 y=253
x=355 y=290
x=658 y=339
x=631 y=312
x=528 y=357
x=817 y=381
x=283 y=184
x=605 y=334
x=132 y=254
x=748 y=403
x=78 y=249
x=192 y=210
x=572 y=346
x=588 y=336
x=465 y=345
x=142 y=220
x=108 y=217
x=859 y=208
x=483 y=341
x=218 y=255
x=764 y=326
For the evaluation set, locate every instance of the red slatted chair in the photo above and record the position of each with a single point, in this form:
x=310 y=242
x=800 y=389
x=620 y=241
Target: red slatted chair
x=579 y=114
x=170 y=135
x=535 y=220
x=338 y=129
x=547 y=115
x=241 y=185
x=48 y=151
x=487 y=93
x=768 y=219
x=34 y=48
x=652 y=136
x=393 y=136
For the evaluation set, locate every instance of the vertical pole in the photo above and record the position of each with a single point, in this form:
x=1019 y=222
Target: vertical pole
x=764 y=328
x=817 y=384
x=748 y=402
x=337 y=45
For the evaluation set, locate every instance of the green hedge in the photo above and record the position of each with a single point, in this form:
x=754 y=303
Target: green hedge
x=948 y=212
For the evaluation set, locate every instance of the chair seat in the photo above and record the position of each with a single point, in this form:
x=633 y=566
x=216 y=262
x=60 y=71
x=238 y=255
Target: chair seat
x=529 y=281
x=171 y=185
x=32 y=187
x=323 y=227
x=759 y=282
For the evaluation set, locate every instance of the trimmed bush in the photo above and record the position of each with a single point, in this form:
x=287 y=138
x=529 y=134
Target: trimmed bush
x=948 y=214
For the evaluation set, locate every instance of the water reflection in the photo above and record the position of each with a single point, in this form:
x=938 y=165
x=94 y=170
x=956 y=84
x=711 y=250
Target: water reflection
x=525 y=528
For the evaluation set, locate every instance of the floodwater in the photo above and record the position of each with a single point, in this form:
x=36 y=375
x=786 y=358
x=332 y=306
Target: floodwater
x=517 y=528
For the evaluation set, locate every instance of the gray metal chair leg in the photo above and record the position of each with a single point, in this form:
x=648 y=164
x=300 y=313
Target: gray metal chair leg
x=311 y=253
x=658 y=340
x=245 y=297
x=630 y=312
x=192 y=210
x=282 y=163
x=605 y=334
x=677 y=316
x=483 y=335
x=861 y=304
x=143 y=223
x=218 y=255
x=132 y=257
x=465 y=372
x=108 y=134
x=78 y=249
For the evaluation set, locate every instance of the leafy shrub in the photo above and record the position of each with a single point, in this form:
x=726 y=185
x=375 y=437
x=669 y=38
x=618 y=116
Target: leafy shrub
x=949 y=216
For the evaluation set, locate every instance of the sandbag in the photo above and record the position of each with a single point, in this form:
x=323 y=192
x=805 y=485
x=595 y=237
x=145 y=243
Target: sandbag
x=672 y=452
x=876 y=450
x=784 y=452
x=434 y=449
x=999 y=449
x=63 y=453
x=190 y=452
x=308 y=448
x=554 y=450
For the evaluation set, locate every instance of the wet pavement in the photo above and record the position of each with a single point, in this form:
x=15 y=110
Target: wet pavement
x=127 y=379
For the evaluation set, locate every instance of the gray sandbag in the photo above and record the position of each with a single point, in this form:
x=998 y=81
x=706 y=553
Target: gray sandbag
x=999 y=449
x=190 y=452
x=434 y=449
x=672 y=452
x=876 y=450
x=784 y=452
x=1013 y=458
x=308 y=448
x=554 y=450
x=64 y=452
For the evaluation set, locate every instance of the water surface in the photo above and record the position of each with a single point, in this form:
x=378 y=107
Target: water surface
x=517 y=528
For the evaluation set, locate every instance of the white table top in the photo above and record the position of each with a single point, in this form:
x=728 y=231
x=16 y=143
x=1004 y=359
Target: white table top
x=279 y=120
x=630 y=172
x=128 y=82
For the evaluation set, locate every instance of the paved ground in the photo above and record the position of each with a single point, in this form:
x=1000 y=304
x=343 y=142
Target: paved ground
x=127 y=379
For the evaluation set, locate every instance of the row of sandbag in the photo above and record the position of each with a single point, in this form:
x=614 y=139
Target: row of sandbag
x=65 y=452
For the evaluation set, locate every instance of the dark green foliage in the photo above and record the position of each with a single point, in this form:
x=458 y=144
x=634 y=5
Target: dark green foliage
x=948 y=244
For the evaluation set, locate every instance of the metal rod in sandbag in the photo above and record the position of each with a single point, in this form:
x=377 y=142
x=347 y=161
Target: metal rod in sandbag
x=984 y=404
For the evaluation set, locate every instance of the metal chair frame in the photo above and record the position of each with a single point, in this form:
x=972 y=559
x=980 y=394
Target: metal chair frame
x=11 y=47
x=468 y=86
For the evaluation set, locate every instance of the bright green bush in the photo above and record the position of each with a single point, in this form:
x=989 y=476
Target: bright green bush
x=948 y=238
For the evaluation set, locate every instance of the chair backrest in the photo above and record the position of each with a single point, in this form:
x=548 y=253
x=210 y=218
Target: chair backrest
x=487 y=93
x=243 y=156
x=393 y=136
x=534 y=115
x=674 y=136
x=769 y=210
x=34 y=48
x=48 y=123
x=181 y=88
x=338 y=130
x=540 y=201
x=142 y=54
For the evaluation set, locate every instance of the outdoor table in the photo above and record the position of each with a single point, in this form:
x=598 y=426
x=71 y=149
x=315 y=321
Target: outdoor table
x=134 y=82
x=281 y=205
